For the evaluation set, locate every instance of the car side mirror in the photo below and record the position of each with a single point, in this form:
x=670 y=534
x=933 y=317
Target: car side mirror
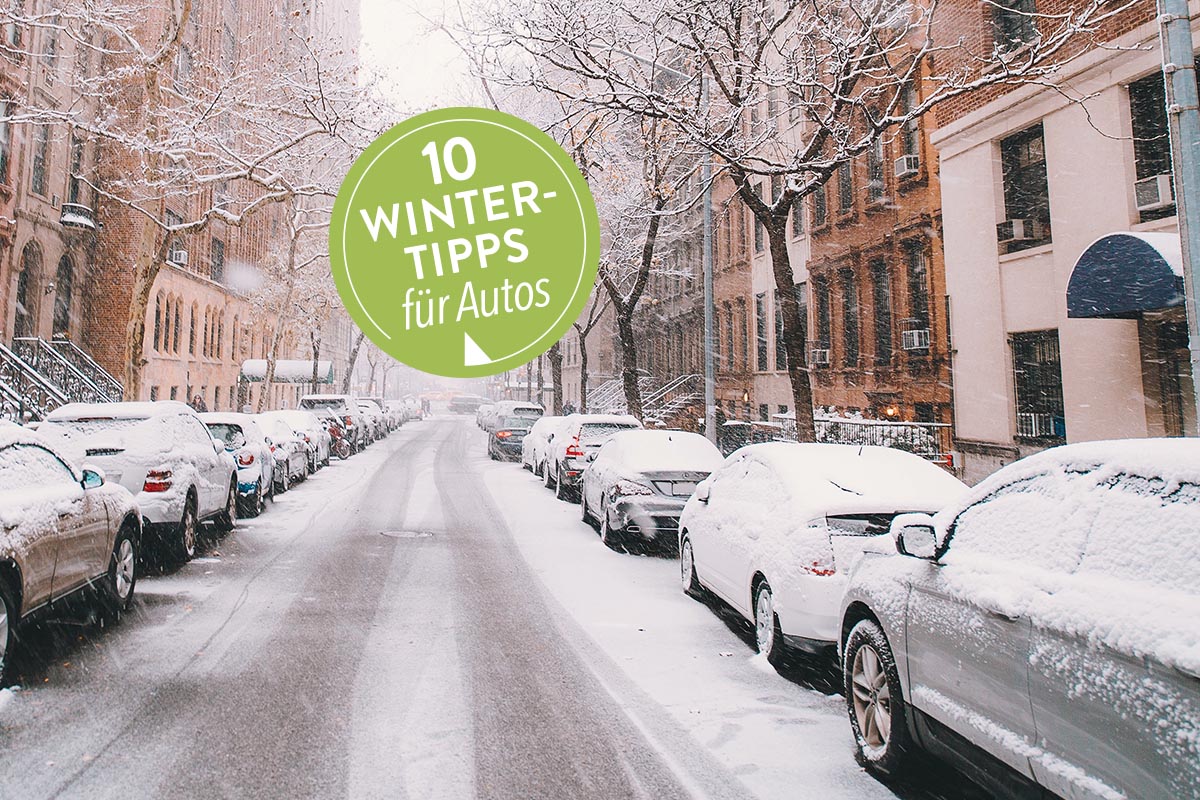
x=703 y=491
x=915 y=536
x=93 y=478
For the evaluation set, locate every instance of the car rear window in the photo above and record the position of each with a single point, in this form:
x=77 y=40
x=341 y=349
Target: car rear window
x=85 y=427
x=592 y=432
x=225 y=431
x=527 y=412
x=335 y=402
x=516 y=422
x=859 y=524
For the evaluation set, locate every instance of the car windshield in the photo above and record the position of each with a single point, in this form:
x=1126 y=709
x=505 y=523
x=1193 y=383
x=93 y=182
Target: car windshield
x=595 y=432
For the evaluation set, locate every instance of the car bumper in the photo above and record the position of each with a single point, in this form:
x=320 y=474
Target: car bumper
x=160 y=508
x=507 y=449
x=572 y=471
x=809 y=610
x=652 y=518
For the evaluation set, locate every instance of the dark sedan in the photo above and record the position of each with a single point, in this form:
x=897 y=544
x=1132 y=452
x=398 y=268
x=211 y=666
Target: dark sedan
x=504 y=441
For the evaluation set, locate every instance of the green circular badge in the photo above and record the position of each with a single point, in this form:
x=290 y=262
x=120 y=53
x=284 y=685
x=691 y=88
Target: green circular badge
x=464 y=242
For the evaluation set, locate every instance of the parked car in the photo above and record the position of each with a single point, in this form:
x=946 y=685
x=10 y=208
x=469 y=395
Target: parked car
x=504 y=409
x=376 y=423
x=313 y=430
x=64 y=532
x=504 y=442
x=774 y=530
x=288 y=448
x=164 y=455
x=635 y=486
x=251 y=449
x=482 y=413
x=389 y=423
x=466 y=403
x=567 y=454
x=345 y=407
x=1049 y=620
x=536 y=444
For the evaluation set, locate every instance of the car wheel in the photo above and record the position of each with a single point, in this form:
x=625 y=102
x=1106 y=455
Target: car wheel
x=687 y=569
x=227 y=519
x=537 y=469
x=878 y=715
x=255 y=504
x=547 y=476
x=562 y=491
x=285 y=480
x=116 y=595
x=8 y=630
x=583 y=507
x=612 y=539
x=767 y=634
x=185 y=542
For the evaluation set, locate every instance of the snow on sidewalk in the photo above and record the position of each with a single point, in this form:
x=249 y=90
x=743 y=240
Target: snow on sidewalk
x=779 y=738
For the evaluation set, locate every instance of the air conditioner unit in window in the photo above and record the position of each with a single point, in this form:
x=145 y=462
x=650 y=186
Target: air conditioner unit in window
x=1020 y=230
x=915 y=339
x=819 y=357
x=178 y=257
x=1035 y=426
x=1153 y=193
x=907 y=165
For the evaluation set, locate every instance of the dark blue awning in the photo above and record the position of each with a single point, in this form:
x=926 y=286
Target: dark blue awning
x=1124 y=274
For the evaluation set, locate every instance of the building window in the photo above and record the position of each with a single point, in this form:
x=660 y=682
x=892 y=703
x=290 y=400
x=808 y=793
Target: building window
x=192 y=331
x=153 y=393
x=917 y=274
x=759 y=234
x=41 y=156
x=845 y=173
x=760 y=331
x=820 y=206
x=217 y=268
x=798 y=217
x=780 y=339
x=1014 y=23
x=824 y=321
x=729 y=353
x=716 y=338
x=881 y=298
x=50 y=50
x=850 y=340
x=173 y=221
x=910 y=132
x=875 y=180
x=64 y=284
x=1026 y=191
x=26 y=306
x=764 y=412
x=6 y=110
x=158 y=323
x=174 y=392
x=1037 y=373
x=75 y=184
x=744 y=330
x=1151 y=137
x=176 y=327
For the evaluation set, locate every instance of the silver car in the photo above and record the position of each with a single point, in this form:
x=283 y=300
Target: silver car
x=1050 y=621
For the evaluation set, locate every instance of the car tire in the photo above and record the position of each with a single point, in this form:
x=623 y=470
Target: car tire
x=547 y=476
x=116 y=592
x=872 y=685
x=255 y=504
x=184 y=545
x=612 y=539
x=562 y=491
x=767 y=634
x=8 y=630
x=285 y=480
x=687 y=569
x=583 y=508
x=227 y=519
x=537 y=470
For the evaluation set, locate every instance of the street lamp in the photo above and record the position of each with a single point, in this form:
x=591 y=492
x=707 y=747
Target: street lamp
x=710 y=392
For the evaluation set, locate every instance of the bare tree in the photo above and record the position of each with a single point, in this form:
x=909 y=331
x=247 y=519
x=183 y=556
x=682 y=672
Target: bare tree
x=782 y=93
x=583 y=328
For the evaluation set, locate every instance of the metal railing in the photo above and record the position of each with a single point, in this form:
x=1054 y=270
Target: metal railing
x=26 y=388
x=82 y=361
x=56 y=369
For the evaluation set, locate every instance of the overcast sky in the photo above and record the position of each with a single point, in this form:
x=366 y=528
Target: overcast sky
x=416 y=68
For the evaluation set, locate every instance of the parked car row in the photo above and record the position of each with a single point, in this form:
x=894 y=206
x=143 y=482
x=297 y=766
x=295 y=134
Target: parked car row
x=1038 y=631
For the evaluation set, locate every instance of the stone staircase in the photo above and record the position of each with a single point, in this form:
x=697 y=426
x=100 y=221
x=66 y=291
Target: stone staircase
x=37 y=376
x=662 y=400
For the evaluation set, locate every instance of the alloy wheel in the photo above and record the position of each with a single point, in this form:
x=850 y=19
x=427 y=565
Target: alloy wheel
x=764 y=620
x=189 y=532
x=125 y=563
x=687 y=564
x=872 y=697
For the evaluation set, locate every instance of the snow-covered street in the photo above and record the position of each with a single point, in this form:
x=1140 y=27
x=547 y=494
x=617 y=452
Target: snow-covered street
x=422 y=622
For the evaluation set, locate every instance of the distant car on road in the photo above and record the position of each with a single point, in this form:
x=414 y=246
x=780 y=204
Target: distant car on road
x=164 y=455
x=64 y=532
x=465 y=403
x=774 y=530
x=251 y=449
x=635 y=486
x=1049 y=620
x=504 y=442
x=567 y=454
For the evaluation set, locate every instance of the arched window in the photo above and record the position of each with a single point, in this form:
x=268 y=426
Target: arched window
x=192 y=330
x=220 y=336
x=25 y=313
x=158 y=321
x=64 y=283
x=168 y=303
x=177 y=327
x=233 y=336
x=207 y=321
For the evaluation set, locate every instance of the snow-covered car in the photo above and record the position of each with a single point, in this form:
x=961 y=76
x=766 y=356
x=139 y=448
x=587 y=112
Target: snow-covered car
x=313 y=430
x=397 y=412
x=636 y=485
x=465 y=403
x=251 y=450
x=346 y=408
x=288 y=448
x=376 y=423
x=482 y=413
x=1050 y=620
x=63 y=532
x=774 y=530
x=504 y=442
x=567 y=454
x=164 y=455
x=535 y=445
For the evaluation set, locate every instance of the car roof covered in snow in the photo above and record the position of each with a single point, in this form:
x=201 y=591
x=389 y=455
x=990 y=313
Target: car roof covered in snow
x=226 y=417
x=134 y=410
x=1172 y=459
x=665 y=451
x=845 y=478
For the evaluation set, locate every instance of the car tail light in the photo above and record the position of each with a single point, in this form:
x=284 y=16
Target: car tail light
x=503 y=434
x=349 y=422
x=574 y=450
x=627 y=488
x=821 y=567
x=307 y=440
x=157 y=480
x=245 y=459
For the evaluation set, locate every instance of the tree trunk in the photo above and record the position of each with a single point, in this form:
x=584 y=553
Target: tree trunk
x=541 y=384
x=277 y=335
x=316 y=351
x=358 y=340
x=135 y=326
x=629 y=371
x=795 y=337
x=583 y=372
x=556 y=359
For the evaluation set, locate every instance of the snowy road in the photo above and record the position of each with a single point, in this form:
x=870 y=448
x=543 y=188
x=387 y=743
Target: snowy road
x=420 y=622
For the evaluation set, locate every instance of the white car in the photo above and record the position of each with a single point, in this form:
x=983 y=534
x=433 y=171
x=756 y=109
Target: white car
x=288 y=447
x=251 y=449
x=536 y=443
x=346 y=408
x=314 y=432
x=635 y=486
x=579 y=435
x=164 y=455
x=375 y=419
x=775 y=529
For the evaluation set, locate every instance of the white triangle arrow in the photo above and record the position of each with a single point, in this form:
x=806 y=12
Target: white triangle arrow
x=473 y=355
